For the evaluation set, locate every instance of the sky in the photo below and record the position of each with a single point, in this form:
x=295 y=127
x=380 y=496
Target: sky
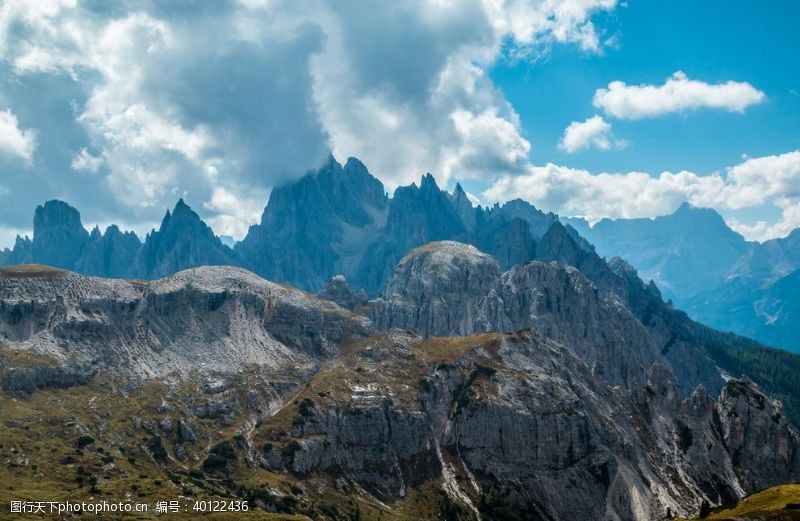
x=591 y=108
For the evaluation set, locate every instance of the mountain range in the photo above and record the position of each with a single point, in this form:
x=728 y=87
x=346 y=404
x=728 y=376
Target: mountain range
x=340 y=221
x=337 y=220
x=464 y=392
x=413 y=357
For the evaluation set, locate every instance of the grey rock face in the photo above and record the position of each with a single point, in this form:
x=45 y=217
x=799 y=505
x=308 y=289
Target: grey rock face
x=452 y=289
x=25 y=380
x=58 y=235
x=762 y=443
x=183 y=241
x=525 y=424
x=317 y=227
x=207 y=319
x=439 y=290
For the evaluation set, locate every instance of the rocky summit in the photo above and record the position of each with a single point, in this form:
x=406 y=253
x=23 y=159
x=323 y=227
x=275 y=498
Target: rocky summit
x=465 y=390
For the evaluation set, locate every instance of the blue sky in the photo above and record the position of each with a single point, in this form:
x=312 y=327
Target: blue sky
x=574 y=105
x=755 y=42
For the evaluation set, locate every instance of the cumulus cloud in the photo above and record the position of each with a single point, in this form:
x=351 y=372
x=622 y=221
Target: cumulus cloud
x=14 y=140
x=578 y=192
x=270 y=88
x=677 y=94
x=762 y=179
x=533 y=23
x=769 y=180
x=594 y=132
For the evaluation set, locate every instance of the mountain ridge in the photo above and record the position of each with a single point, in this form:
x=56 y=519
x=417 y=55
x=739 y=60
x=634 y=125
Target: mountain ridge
x=338 y=220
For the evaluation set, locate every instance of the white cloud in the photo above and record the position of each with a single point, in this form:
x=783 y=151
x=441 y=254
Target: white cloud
x=762 y=179
x=769 y=180
x=677 y=94
x=14 y=140
x=84 y=161
x=594 y=132
x=535 y=23
x=425 y=89
x=577 y=192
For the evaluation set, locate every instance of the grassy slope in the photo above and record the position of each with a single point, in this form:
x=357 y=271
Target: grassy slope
x=767 y=505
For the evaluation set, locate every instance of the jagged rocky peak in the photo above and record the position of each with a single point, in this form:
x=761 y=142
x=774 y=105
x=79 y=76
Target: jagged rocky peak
x=337 y=290
x=464 y=207
x=111 y=254
x=417 y=215
x=182 y=241
x=21 y=253
x=317 y=226
x=365 y=186
x=58 y=234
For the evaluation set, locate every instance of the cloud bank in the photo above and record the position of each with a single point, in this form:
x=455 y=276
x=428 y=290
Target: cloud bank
x=140 y=110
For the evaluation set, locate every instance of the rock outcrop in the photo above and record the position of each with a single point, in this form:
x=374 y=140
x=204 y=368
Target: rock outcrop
x=212 y=319
x=452 y=289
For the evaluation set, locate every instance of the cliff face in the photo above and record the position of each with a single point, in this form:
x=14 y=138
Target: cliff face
x=451 y=289
x=59 y=236
x=517 y=422
x=317 y=227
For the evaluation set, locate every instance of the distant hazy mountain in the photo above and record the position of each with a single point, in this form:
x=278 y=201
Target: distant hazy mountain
x=711 y=271
x=686 y=252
